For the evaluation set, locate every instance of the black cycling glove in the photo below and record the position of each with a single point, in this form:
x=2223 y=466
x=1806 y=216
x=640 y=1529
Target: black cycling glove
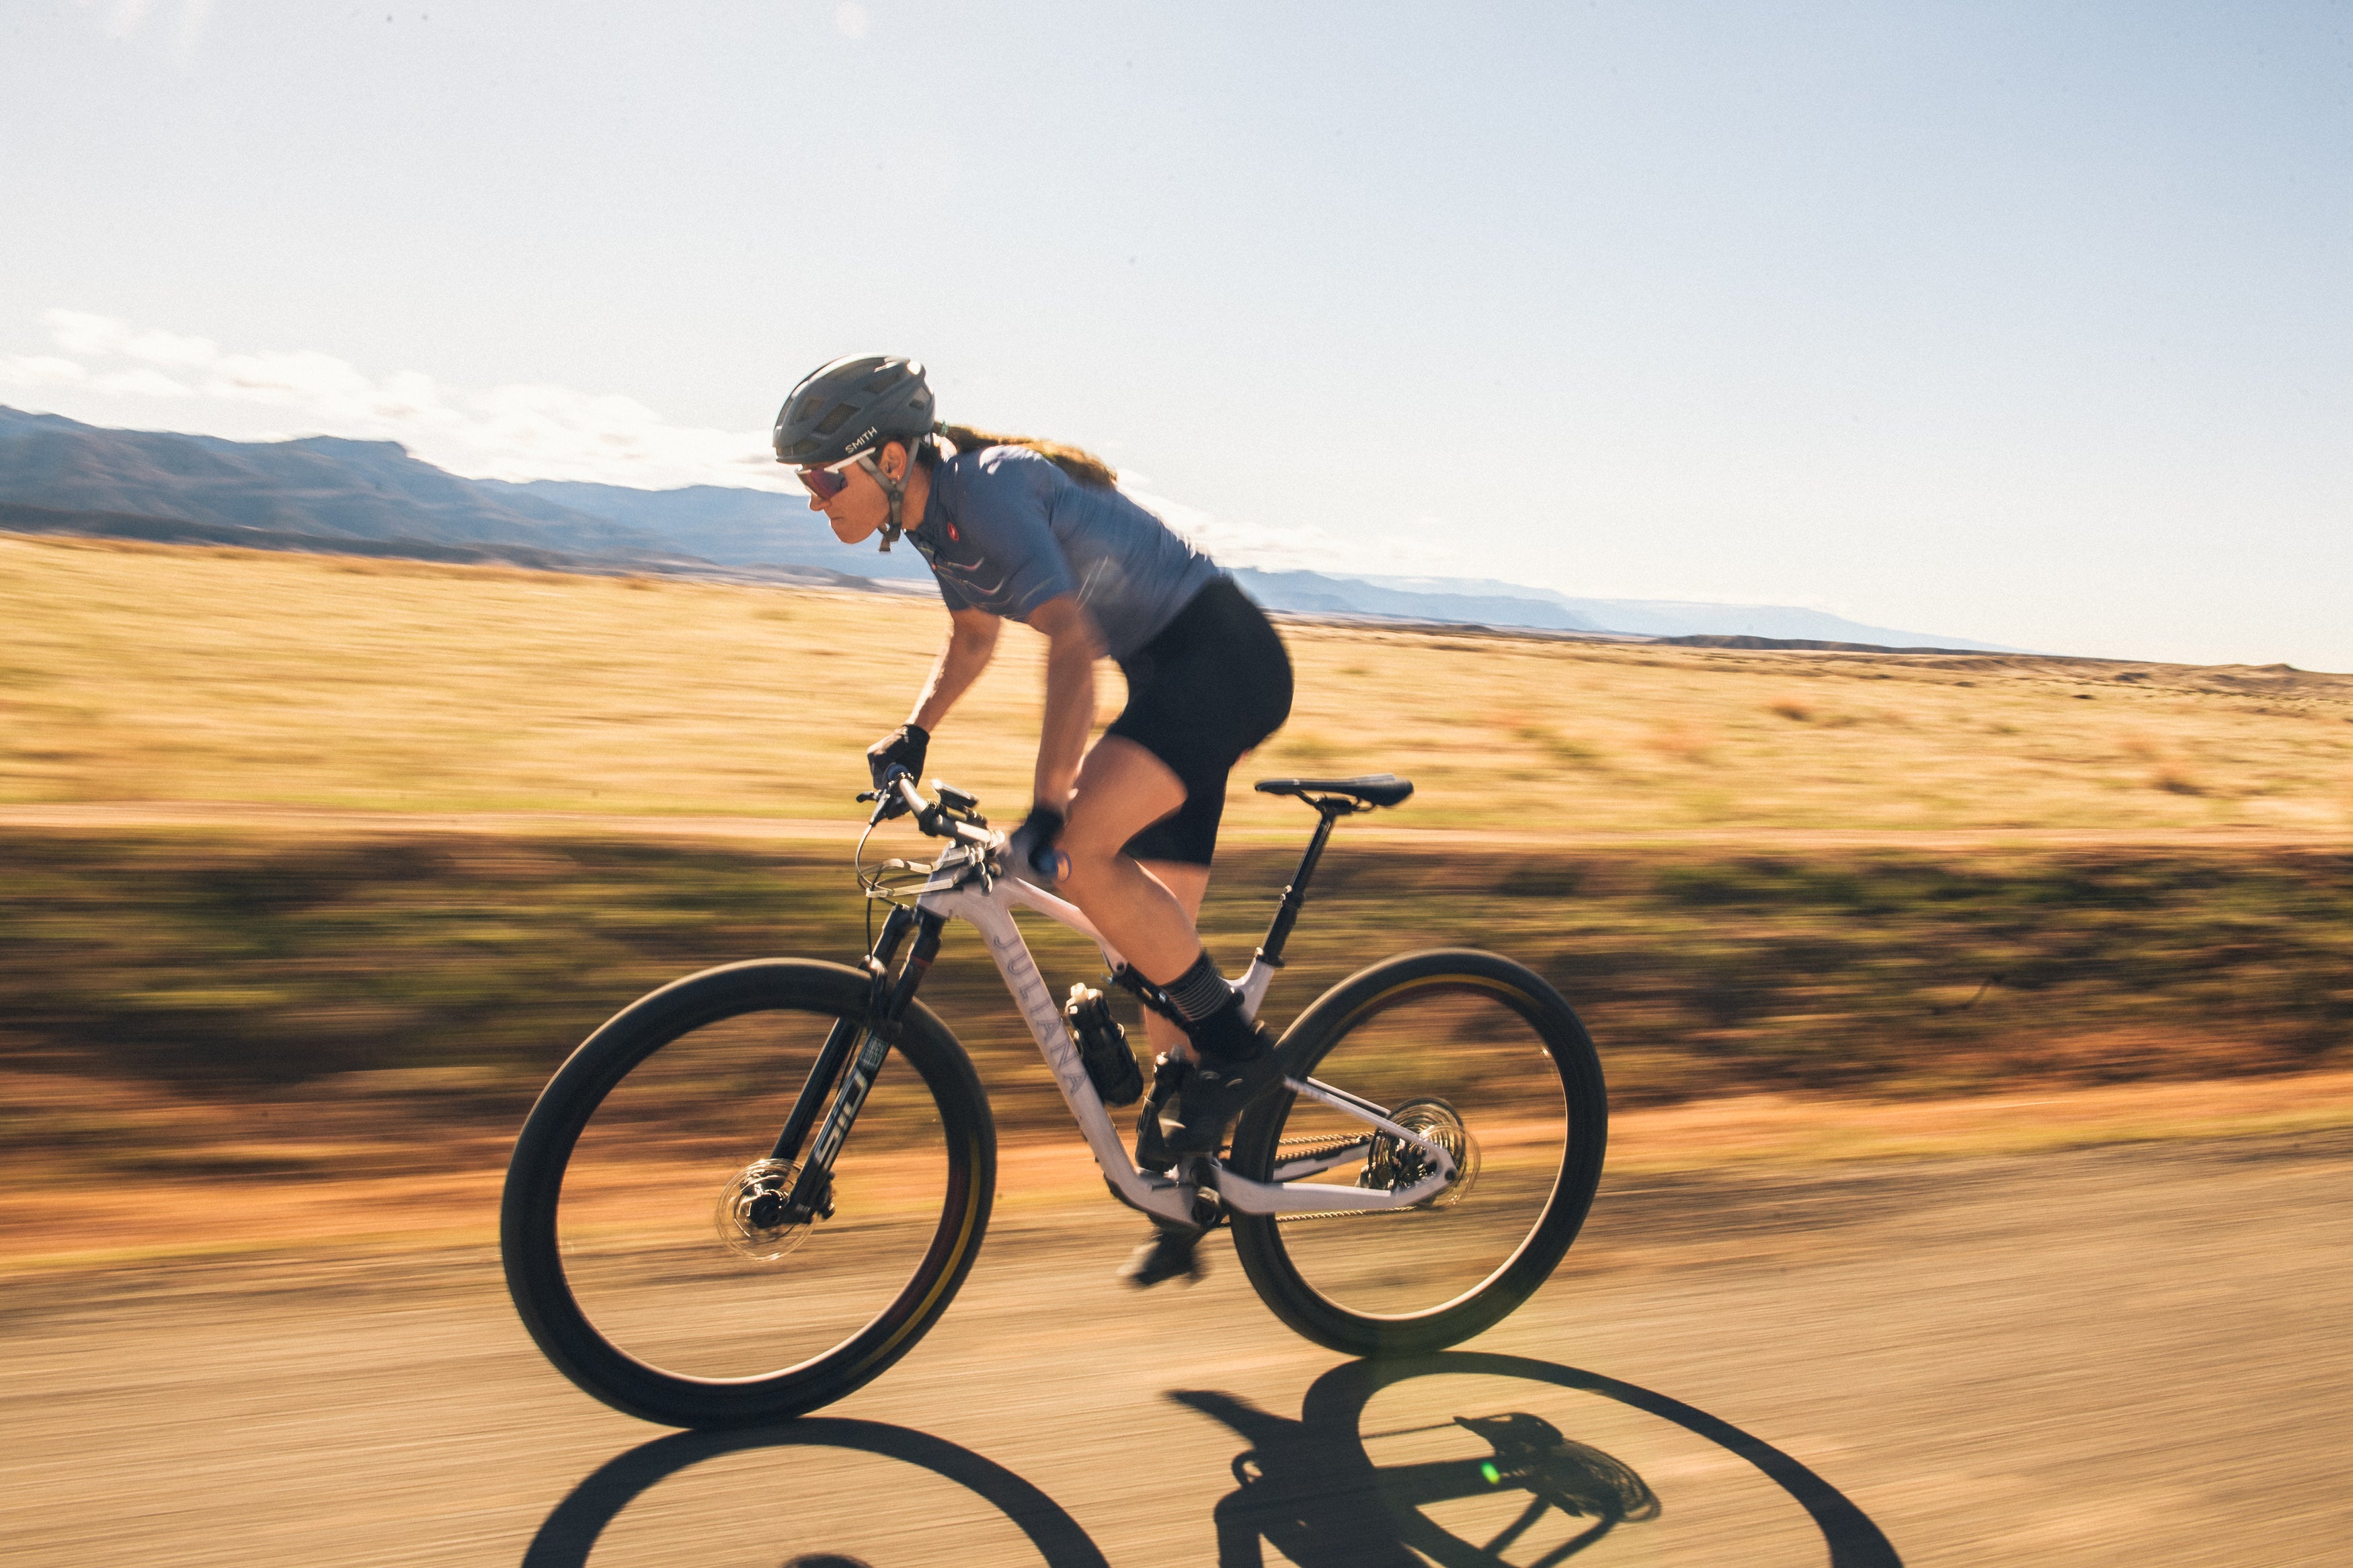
x=902 y=748
x=1033 y=844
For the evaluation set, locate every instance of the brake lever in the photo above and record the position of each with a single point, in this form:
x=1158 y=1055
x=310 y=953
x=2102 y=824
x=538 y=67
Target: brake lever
x=888 y=802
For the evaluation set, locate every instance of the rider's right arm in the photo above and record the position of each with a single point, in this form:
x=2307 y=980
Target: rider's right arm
x=972 y=639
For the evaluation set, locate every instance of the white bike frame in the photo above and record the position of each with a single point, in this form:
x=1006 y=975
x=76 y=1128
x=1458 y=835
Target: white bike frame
x=960 y=886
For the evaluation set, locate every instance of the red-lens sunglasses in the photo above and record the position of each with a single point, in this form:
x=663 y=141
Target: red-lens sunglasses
x=833 y=479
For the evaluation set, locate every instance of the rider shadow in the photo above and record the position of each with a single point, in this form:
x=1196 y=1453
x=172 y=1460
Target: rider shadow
x=571 y=1532
x=1309 y=1488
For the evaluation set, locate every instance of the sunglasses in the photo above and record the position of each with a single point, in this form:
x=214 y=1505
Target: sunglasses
x=833 y=479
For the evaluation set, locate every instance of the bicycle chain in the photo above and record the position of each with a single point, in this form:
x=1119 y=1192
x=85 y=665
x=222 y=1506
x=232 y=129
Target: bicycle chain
x=1325 y=1146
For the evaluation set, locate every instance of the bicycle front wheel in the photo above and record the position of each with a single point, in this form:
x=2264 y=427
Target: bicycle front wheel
x=1477 y=1054
x=625 y=1232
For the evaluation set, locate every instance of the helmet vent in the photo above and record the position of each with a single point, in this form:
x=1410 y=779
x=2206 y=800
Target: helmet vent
x=845 y=406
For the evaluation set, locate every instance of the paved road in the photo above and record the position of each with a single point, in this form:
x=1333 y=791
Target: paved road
x=2129 y=1357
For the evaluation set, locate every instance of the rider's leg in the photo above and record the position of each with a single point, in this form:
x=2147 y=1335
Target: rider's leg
x=1122 y=790
x=1146 y=909
x=1189 y=884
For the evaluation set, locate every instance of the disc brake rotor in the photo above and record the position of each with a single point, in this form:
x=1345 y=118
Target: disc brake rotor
x=750 y=1217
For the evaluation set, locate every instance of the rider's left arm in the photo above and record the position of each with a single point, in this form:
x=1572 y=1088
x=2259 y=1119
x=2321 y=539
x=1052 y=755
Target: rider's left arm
x=1072 y=646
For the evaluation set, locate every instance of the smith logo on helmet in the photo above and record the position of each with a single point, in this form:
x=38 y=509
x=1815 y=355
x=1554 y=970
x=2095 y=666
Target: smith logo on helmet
x=876 y=398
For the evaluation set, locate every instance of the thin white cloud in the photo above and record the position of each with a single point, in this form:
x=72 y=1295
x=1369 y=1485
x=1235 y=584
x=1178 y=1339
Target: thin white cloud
x=524 y=431
x=140 y=380
x=849 y=19
x=41 y=370
x=1298 y=548
x=127 y=17
x=193 y=14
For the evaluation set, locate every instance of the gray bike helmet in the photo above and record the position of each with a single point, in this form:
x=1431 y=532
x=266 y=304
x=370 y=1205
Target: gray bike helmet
x=848 y=408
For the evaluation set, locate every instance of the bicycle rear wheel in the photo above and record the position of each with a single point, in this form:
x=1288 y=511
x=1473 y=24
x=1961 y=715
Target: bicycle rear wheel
x=623 y=1227
x=1479 y=1055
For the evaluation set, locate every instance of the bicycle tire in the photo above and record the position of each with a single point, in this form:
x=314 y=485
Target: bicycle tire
x=1378 y=1024
x=737 y=1026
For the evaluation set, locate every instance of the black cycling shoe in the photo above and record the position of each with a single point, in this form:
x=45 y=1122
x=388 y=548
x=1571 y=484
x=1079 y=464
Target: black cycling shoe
x=1212 y=1093
x=1173 y=1253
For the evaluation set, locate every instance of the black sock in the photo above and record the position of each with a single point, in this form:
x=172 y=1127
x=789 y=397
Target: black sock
x=1201 y=990
x=1228 y=1035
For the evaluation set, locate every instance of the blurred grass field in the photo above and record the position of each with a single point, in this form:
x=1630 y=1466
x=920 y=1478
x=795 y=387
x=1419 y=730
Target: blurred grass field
x=138 y=673
x=1766 y=879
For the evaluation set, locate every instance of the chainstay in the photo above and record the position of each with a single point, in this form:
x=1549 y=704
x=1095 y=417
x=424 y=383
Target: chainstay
x=1326 y=1146
x=1322 y=1146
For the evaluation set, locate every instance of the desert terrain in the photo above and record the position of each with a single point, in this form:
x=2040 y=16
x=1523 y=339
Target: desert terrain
x=1976 y=1025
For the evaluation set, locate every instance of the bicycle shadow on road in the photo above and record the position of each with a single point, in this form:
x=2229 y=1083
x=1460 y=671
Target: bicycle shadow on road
x=571 y=1532
x=1309 y=1487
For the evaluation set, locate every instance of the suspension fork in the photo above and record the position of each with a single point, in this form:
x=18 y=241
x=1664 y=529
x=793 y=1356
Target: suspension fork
x=887 y=1001
x=838 y=1040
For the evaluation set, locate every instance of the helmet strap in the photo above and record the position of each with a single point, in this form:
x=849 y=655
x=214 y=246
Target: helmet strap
x=895 y=488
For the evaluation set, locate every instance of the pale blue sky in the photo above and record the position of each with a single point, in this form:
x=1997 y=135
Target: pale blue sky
x=2025 y=322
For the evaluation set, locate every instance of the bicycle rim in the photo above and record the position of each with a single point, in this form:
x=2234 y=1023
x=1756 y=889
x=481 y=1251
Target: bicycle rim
x=1478 y=1055
x=654 y=1302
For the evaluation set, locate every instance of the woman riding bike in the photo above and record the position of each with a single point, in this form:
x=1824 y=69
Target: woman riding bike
x=1035 y=531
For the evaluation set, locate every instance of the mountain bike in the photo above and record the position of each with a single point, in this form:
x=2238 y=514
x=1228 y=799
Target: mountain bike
x=724 y=1210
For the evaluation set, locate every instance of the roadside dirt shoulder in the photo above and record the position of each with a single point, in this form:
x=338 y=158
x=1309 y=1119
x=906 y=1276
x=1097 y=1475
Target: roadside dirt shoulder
x=64 y=1221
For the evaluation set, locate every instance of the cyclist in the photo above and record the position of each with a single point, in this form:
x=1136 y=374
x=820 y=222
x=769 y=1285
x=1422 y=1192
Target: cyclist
x=1036 y=532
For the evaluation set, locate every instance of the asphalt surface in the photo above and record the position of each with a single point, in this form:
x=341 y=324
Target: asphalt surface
x=2134 y=1355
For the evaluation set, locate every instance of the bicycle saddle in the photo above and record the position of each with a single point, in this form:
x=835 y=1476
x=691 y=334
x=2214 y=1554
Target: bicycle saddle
x=1373 y=789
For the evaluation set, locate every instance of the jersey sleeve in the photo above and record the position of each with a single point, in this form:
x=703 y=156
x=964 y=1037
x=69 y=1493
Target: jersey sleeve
x=950 y=595
x=1008 y=518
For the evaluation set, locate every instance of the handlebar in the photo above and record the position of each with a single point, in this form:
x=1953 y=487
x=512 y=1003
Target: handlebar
x=898 y=796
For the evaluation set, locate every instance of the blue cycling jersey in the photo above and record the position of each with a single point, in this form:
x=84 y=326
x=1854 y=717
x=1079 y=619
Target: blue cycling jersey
x=1005 y=530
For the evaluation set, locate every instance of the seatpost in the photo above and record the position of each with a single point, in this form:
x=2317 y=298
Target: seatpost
x=1286 y=914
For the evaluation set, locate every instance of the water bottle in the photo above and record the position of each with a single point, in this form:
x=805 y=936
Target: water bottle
x=1102 y=1047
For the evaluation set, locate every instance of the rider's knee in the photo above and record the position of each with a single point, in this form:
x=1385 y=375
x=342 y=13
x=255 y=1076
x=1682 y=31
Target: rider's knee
x=1085 y=863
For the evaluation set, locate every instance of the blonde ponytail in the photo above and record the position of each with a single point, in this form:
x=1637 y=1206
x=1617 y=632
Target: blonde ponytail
x=1080 y=464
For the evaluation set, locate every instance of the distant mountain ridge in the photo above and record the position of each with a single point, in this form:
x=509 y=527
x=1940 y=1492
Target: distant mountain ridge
x=1316 y=593
x=733 y=527
x=307 y=494
x=1682 y=617
x=321 y=485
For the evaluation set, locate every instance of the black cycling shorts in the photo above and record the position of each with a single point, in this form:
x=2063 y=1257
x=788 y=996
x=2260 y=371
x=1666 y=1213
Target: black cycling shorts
x=1213 y=684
